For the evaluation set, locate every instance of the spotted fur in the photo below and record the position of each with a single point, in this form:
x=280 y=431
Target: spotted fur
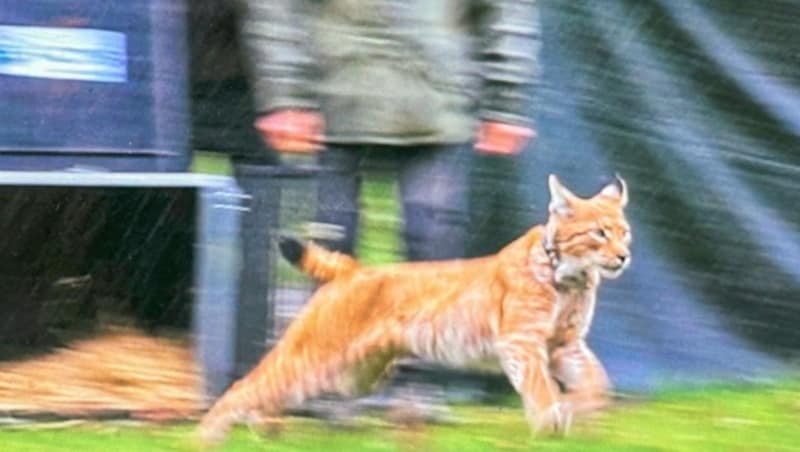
x=529 y=307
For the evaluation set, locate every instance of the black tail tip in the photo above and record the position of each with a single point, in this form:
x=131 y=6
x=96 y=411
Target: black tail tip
x=291 y=248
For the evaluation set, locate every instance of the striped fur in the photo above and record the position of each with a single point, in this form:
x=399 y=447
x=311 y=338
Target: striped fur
x=529 y=307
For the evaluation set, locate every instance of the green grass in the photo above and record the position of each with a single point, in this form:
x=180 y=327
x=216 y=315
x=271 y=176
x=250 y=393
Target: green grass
x=379 y=239
x=211 y=163
x=756 y=418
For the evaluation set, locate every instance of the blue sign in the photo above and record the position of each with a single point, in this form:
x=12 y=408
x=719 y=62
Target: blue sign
x=63 y=53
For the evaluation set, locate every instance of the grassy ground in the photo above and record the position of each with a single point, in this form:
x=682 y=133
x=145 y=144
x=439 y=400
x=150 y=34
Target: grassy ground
x=759 y=418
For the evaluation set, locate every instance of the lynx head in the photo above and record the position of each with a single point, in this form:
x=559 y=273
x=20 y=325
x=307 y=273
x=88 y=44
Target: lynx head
x=587 y=236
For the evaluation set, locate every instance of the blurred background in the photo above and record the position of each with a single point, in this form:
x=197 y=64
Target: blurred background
x=139 y=208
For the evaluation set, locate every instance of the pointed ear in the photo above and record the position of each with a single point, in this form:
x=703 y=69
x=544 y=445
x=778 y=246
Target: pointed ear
x=560 y=198
x=617 y=190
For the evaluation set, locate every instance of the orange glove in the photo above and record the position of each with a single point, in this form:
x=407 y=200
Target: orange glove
x=292 y=130
x=497 y=138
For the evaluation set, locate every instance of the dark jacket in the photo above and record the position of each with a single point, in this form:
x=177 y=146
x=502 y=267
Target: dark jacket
x=394 y=71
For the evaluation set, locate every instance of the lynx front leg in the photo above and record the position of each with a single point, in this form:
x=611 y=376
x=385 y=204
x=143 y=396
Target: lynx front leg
x=525 y=362
x=585 y=381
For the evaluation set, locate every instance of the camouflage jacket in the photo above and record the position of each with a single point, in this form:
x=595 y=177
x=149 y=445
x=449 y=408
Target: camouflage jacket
x=394 y=71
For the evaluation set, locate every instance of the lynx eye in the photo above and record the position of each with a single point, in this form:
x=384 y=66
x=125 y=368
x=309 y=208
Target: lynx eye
x=600 y=234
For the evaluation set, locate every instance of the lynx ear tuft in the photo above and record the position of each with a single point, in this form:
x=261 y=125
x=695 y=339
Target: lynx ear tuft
x=617 y=190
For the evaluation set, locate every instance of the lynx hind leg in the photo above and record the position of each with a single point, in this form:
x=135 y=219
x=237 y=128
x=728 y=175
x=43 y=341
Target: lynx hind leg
x=585 y=382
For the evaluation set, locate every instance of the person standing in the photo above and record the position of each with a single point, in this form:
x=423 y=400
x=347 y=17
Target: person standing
x=415 y=85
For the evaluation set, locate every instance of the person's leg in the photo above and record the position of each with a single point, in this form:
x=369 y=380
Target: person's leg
x=434 y=186
x=338 y=211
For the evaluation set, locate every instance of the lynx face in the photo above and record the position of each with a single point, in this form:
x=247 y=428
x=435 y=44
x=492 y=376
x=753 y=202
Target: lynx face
x=589 y=235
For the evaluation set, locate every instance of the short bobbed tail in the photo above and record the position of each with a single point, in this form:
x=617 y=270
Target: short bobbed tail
x=319 y=263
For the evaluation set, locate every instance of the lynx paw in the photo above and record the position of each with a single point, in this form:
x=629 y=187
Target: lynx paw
x=553 y=421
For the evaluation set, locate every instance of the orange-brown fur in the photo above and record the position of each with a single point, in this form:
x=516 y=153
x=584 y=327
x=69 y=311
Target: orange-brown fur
x=529 y=306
